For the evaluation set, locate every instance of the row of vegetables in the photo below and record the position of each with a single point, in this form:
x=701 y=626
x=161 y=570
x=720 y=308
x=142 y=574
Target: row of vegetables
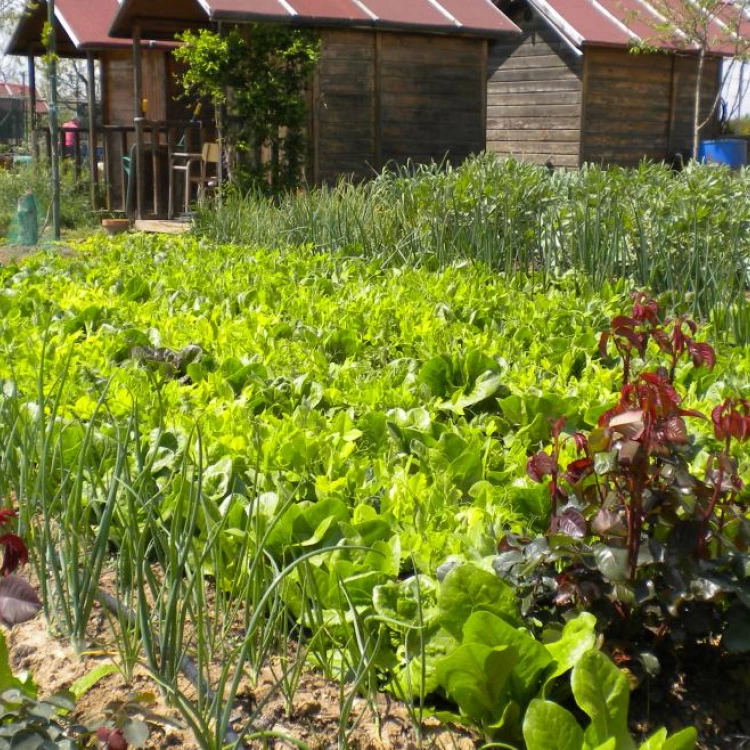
x=364 y=429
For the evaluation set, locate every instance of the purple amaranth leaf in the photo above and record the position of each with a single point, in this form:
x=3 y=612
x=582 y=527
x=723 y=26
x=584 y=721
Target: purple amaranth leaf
x=608 y=523
x=540 y=465
x=18 y=600
x=572 y=523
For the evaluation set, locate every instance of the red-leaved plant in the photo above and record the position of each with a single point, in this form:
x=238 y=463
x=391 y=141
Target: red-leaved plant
x=630 y=525
x=18 y=600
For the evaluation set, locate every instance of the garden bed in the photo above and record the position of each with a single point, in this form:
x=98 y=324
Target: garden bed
x=338 y=453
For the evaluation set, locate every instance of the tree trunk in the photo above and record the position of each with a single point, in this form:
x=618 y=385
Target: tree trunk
x=697 y=101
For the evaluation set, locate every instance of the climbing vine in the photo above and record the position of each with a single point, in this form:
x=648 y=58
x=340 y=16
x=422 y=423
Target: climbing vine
x=259 y=74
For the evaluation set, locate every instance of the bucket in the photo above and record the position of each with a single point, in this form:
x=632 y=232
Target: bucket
x=729 y=151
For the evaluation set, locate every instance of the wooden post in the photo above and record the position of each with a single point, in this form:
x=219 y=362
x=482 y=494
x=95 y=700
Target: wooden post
x=91 y=90
x=220 y=119
x=138 y=119
x=33 y=142
x=483 y=71
x=316 y=123
x=582 y=142
x=377 y=140
x=109 y=152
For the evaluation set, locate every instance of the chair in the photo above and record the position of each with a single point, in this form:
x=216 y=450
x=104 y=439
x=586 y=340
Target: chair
x=184 y=163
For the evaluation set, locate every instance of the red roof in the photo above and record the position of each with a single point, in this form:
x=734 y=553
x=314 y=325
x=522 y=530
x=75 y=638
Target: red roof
x=478 y=17
x=622 y=23
x=21 y=91
x=81 y=25
x=88 y=22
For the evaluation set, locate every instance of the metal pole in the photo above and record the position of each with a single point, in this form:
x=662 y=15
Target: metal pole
x=32 y=107
x=53 y=128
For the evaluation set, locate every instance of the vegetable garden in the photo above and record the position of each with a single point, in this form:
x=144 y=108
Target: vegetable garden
x=437 y=453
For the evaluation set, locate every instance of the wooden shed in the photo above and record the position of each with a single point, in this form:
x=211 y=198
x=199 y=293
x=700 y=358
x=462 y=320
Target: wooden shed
x=570 y=90
x=396 y=79
x=14 y=111
x=82 y=31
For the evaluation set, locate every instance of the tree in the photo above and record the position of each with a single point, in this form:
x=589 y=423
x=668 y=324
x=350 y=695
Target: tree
x=258 y=74
x=703 y=28
x=9 y=12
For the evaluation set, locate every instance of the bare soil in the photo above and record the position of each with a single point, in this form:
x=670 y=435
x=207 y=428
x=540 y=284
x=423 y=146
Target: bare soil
x=312 y=719
x=706 y=688
x=12 y=253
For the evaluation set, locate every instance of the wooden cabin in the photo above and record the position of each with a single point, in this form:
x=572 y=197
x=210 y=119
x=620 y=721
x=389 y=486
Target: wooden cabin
x=570 y=90
x=395 y=80
x=82 y=32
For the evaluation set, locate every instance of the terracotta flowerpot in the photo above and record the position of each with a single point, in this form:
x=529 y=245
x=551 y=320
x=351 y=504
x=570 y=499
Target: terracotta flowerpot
x=115 y=226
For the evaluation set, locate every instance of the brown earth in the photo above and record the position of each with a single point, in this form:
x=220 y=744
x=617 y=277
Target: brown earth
x=312 y=719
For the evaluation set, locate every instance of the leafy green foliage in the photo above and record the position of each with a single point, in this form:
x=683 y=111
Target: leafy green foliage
x=682 y=234
x=601 y=691
x=75 y=210
x=259 y=73
x=28 y=721
x=337 y=441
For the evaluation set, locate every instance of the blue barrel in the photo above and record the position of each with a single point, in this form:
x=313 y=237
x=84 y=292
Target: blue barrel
x=729 y=151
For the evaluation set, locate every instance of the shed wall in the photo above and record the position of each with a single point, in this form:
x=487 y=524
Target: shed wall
x=380 y=97
x=534 y=94
x=640 y=106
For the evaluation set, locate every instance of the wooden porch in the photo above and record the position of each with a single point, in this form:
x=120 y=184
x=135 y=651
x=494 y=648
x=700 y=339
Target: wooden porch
x=114 y=162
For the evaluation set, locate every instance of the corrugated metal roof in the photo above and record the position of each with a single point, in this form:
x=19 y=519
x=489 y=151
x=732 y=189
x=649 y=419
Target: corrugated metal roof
x=621 y=23
x=81 y=25
x=478 y=17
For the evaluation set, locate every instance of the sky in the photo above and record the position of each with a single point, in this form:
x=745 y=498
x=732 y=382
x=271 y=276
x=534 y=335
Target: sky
x=736 y=92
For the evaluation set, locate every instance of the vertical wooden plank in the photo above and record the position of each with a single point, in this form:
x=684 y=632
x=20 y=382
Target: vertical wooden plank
x=138 y=111
x=106 y=120
x=32 y=107
x=316 y=124
x=483 y=76
x=91 y=91
x=377 y=103
x=673 y=88
x=131 y=170
x=165 y=84
x=106 y=156
x=156 y=172
x=584 y=97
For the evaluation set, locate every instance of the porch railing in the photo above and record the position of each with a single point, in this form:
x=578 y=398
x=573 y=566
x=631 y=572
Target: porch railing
x=116 y=162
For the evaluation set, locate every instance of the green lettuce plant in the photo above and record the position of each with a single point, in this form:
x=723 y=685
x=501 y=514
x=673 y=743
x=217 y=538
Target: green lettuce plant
x=601 y=691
